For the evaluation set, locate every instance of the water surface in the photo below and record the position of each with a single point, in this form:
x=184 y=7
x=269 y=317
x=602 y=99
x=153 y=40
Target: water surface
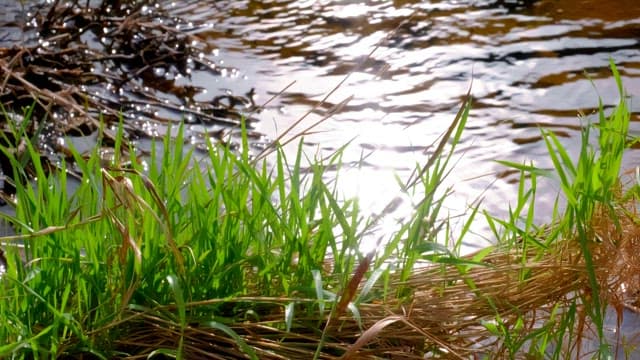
x=531 y=64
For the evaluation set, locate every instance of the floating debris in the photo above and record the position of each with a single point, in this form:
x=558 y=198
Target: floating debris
x=93 y=63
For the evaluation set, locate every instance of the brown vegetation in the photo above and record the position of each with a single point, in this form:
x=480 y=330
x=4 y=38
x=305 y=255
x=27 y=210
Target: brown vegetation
x=523 y=289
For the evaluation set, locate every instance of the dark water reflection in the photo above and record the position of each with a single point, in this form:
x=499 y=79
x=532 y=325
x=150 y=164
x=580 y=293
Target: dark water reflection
x=533 y=63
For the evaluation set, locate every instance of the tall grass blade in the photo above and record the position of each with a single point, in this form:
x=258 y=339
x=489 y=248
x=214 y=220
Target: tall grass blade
x=248 y=350
x=177 y=291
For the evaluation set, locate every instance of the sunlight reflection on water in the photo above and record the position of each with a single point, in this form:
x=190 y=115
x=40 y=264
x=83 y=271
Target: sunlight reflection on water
x=527 y=60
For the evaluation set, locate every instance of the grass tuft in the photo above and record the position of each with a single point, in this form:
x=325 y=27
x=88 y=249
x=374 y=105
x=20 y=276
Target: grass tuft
x=232 y=257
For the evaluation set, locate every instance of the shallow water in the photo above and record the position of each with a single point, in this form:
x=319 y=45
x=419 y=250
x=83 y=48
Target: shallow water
x=530 y=64
x=533 y=64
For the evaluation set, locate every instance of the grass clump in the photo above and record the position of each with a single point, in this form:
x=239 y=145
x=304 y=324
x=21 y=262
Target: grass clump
x=226 y=258
x=219 y=251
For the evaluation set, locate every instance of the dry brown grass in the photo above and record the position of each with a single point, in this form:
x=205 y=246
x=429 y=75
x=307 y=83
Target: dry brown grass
x=444 y=315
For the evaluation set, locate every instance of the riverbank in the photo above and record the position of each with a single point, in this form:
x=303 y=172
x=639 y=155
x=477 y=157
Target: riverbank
x=242 y=259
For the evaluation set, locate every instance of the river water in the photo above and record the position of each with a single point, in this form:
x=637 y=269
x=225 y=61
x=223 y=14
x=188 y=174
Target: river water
x=533 y=64
x=530 y=64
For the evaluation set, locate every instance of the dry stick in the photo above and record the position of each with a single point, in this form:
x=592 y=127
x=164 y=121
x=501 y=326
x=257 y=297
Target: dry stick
x=54 y=98
x=11 y=74
x=379 y=326
x=51 y=13
x=7 y=66
x=48 y=95
x=49 y=230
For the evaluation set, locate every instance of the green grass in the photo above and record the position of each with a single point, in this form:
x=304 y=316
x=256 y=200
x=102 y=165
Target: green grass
x=129 y=240
x=264 y=258
x=590 y=183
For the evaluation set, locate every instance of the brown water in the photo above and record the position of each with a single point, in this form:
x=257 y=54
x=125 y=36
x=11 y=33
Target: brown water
x=533 y=64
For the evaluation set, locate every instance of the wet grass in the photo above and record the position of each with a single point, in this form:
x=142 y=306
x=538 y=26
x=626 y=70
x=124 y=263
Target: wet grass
x=226 y=257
